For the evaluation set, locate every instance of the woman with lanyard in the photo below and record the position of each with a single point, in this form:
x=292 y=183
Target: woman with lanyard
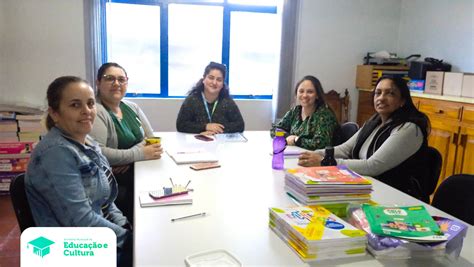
x=209 y=109
x=120 y=129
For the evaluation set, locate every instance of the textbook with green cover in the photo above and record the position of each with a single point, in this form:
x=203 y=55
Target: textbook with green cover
x=411 y=222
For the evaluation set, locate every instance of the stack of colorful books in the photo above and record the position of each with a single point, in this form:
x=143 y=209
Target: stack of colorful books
x=8 y=127
x=327 y=185
x=316 y=234
x=14 y=158
x=408 y=232
x=30 y=127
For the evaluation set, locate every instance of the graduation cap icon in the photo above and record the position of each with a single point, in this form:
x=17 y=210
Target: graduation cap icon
x=40 y=246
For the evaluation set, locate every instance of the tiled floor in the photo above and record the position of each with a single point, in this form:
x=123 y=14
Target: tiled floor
x=9 y=235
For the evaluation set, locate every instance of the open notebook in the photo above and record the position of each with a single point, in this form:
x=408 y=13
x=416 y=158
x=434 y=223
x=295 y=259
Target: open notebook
x=192 y=156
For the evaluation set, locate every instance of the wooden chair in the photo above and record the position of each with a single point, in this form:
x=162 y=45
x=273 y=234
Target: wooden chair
x=340 y=105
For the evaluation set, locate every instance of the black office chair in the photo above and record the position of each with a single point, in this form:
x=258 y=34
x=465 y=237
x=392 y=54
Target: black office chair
x=348 y=129
x=20 y=203
x=344 y=132
x=424 y=182
x=435 y=162
x=455 y=196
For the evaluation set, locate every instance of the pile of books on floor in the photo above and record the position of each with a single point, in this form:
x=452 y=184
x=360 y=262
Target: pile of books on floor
x=20 y=127
x=316 y=234
x=327 y=185
x=14 y=158
x=408 y=232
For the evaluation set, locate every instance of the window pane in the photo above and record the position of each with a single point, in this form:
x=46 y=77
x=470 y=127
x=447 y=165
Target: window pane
x=254 y=53
x=195 y=39
x=133 y=41
x=253 y=2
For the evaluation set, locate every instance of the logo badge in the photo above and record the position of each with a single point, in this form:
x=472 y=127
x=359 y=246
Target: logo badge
x=40 y=246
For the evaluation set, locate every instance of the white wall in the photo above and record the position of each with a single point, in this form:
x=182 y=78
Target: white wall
x=43 y=40
x=2 y=49
x=334 y=36
x=439 y=29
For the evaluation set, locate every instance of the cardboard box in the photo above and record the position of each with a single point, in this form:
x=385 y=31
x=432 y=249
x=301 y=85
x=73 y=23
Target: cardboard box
x=452 y=84
x=468 y=85
x=434 y=82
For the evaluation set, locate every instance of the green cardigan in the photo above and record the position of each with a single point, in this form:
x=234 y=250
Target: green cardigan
x=315 y=132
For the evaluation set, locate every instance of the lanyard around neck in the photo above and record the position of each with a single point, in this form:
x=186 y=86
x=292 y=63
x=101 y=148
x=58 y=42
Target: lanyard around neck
x=209 y=115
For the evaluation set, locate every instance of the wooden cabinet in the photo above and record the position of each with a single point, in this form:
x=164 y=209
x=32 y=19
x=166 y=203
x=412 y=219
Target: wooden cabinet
x=452 y=133
x=445 y=119
x=465 y=153
x=367 y=75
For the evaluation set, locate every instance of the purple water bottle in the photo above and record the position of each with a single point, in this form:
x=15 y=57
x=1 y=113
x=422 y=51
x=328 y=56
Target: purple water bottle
x=279 y=145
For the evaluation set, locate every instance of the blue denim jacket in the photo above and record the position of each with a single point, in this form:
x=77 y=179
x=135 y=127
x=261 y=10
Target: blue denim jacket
x=67 y=185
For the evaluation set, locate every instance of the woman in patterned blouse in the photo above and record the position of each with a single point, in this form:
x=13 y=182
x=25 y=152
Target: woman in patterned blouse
x=310 y=124
x=209 y=109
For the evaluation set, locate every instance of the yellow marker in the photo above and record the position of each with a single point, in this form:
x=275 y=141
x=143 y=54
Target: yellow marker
x=153 y=140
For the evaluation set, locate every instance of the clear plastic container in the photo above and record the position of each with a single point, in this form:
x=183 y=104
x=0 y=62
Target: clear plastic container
x=218 y=257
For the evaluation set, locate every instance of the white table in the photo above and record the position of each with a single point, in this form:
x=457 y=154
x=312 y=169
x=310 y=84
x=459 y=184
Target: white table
x=236 y=198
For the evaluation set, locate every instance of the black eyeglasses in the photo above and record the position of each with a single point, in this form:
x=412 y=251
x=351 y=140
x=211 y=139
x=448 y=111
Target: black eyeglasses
x=112 y=79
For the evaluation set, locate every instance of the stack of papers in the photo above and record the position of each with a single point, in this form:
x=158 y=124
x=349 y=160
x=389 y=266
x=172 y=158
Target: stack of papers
x=386 y=247
x=327 y=185
x=317 y=234
x=192 y=156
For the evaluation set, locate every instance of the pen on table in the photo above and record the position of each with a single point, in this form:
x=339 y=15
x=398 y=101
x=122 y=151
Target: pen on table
x=172 y=182
x=187 y=184
x=189 y=216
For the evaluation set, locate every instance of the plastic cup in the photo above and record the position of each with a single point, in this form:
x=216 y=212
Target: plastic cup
x=153 y=140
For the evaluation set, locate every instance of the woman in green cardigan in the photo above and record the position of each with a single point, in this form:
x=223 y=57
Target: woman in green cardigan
x=311 y=123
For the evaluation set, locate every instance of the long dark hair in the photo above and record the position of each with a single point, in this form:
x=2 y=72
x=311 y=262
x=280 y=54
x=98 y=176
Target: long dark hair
x=199 y=87
x=408 y=112
x=319 y=89
x=55 y=94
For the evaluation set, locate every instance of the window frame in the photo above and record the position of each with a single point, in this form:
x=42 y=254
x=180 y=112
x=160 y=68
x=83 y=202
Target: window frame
x=228 y=8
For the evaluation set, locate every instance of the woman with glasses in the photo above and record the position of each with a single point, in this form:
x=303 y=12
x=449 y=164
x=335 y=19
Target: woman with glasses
x=209 y=109
x=68 y=181
x=121 y=125
x=120 y=130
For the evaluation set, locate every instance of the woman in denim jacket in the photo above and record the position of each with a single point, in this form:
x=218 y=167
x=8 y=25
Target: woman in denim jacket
x=68 y=181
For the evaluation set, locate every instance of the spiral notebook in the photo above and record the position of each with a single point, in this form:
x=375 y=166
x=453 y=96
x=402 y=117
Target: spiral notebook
x=147 y=201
